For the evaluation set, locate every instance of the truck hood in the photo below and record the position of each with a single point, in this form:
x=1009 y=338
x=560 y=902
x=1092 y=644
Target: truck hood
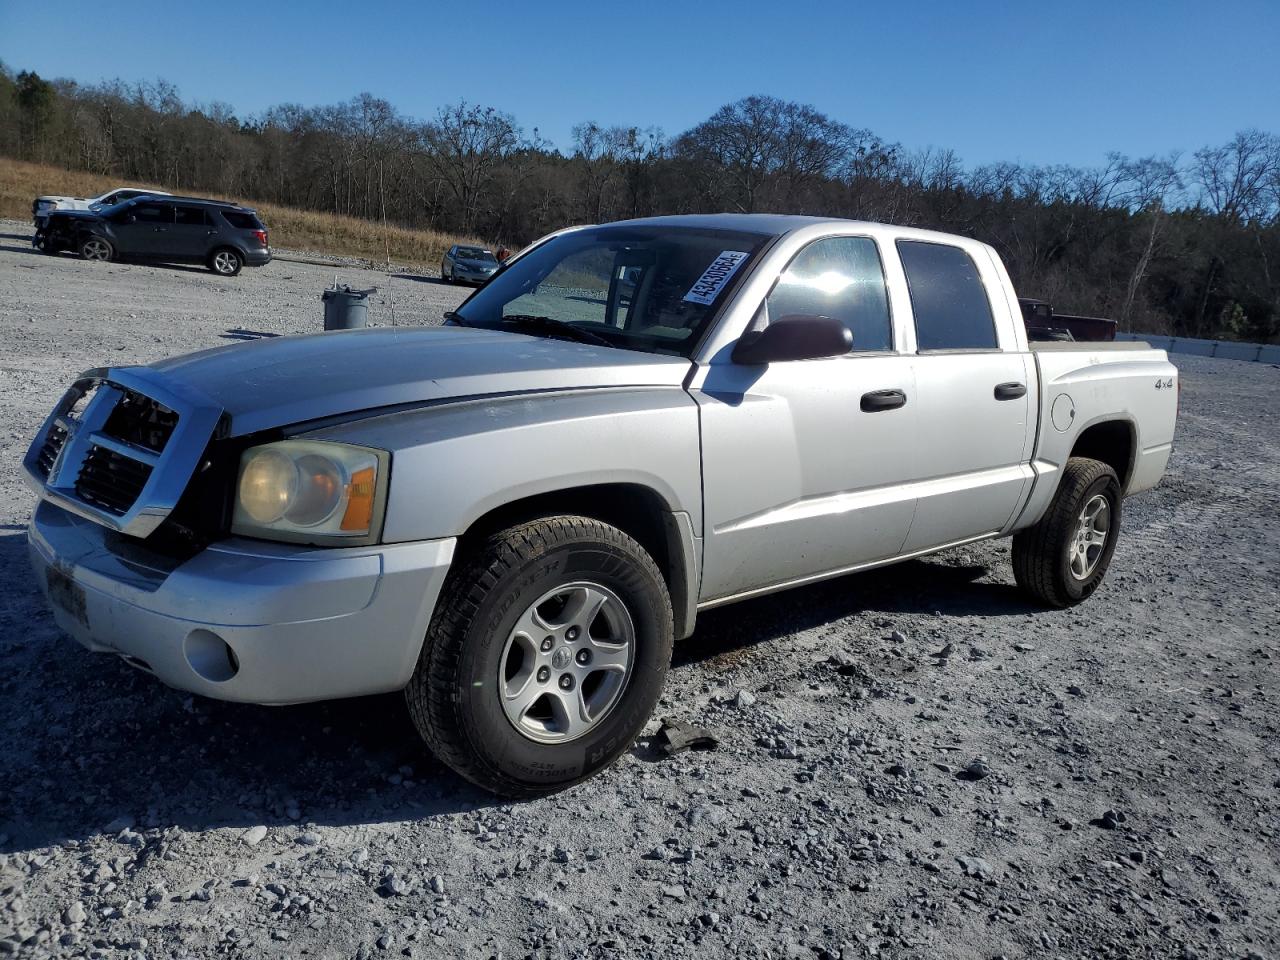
x=287 y=380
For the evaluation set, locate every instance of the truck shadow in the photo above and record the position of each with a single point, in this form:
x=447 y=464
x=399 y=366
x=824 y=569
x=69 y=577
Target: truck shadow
x=86 y=740
x=933 y=585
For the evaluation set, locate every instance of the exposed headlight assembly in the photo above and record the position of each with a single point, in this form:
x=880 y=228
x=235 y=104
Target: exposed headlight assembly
x=311 y=491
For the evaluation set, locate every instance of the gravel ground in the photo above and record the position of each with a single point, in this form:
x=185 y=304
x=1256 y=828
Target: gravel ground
x=913 y=763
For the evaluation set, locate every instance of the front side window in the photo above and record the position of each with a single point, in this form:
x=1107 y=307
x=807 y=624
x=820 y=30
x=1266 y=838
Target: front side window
x=152 y=213
x=950 y=303
x=192 y=216
x=652 y=288
x=841 y=278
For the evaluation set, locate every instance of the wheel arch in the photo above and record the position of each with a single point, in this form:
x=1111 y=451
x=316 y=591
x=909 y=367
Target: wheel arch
x=225 y=246
x=639 y=511
x=1113 y=442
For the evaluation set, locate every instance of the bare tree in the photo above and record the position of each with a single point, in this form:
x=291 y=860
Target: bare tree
x=465 y=144
x=1151 y=182
x=1234 y=178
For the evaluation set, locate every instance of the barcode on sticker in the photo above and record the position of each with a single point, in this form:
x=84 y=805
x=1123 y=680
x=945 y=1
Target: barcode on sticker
x=715 y=276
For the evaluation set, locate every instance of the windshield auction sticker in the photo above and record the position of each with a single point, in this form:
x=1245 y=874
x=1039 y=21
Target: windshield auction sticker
x=715 y=277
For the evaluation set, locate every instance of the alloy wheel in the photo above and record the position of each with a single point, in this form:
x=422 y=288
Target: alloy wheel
x=566 y=662
x=96 y=250
x=1090 y=537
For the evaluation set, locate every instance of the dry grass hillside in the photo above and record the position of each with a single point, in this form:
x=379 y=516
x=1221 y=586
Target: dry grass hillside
x=293 y=229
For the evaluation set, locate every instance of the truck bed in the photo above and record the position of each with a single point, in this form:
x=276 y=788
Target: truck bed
x=1083 y=346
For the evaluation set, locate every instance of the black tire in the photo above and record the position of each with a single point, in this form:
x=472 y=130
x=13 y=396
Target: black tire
x=95 y=248
x=1042 y=554
x=454 y=697
x=225 y=262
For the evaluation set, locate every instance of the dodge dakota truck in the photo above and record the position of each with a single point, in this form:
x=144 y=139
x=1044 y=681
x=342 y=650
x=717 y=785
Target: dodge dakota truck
x=513 y=516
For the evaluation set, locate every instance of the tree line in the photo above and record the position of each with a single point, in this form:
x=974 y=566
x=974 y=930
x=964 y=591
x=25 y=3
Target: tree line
x=1184 y=244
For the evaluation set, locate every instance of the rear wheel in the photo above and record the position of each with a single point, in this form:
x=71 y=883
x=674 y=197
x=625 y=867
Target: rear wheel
x=545 y=657
x=1063 y=558
x=96 y=248
x=226 y=262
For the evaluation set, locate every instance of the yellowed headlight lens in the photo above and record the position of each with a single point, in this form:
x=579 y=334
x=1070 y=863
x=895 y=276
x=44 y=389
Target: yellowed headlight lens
x=268 y=485
x=320 y=488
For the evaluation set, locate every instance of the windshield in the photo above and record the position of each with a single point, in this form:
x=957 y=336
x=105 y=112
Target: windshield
x=475 y=253
x=650 y=288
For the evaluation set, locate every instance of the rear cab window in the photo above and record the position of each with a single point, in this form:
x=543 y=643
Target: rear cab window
x=948 y=298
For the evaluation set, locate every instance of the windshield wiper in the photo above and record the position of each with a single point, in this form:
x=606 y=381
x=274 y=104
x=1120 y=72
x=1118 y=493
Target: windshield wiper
x=553 y=327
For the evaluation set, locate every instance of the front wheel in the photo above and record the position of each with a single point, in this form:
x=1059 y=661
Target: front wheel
x=95 y=248
x=1063 y=558
x=225 y=263
x=546 y=655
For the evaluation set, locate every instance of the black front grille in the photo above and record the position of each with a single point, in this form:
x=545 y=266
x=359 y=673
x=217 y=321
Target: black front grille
x=111 y=481
x=141 y=421
x=50 y=449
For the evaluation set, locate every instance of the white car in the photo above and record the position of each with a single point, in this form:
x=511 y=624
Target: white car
x=41 y=207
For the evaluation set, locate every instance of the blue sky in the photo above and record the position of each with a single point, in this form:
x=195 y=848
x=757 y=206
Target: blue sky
x=1037 y=82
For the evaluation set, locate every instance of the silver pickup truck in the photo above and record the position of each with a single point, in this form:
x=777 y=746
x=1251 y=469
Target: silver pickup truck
x=513 y=516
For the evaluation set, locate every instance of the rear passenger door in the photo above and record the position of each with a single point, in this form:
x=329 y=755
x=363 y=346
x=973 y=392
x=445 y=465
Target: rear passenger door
x=972 y=427
x=191 y=232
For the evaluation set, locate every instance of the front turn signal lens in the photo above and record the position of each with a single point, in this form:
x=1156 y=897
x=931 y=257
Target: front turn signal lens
x=360 y=496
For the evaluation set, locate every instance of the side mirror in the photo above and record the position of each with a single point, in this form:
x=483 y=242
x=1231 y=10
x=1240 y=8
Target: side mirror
x=794 y=338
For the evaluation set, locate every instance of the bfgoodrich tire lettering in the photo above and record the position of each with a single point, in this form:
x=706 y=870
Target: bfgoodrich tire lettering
x=454 y=695
x=1063 y=558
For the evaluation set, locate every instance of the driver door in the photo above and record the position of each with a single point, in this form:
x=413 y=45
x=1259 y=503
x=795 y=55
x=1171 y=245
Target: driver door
x=139 y=229
x=805 y=462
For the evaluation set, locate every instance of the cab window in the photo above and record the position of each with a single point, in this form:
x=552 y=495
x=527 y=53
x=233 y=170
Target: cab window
x=841 y=278
x=950 y=303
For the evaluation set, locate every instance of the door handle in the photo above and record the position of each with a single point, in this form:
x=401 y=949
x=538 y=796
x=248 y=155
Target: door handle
x=1010 y=391
x=878 y=400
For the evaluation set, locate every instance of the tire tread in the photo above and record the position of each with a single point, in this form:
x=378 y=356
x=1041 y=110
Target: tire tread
x=432 y=693
x=1036 y=550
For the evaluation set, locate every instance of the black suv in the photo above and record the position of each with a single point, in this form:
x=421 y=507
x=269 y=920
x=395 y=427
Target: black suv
x=223 y=236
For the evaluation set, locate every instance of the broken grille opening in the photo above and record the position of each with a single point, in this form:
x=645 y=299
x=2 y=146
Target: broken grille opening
x=50 y=449
x=111 y=481
x=141 y=421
